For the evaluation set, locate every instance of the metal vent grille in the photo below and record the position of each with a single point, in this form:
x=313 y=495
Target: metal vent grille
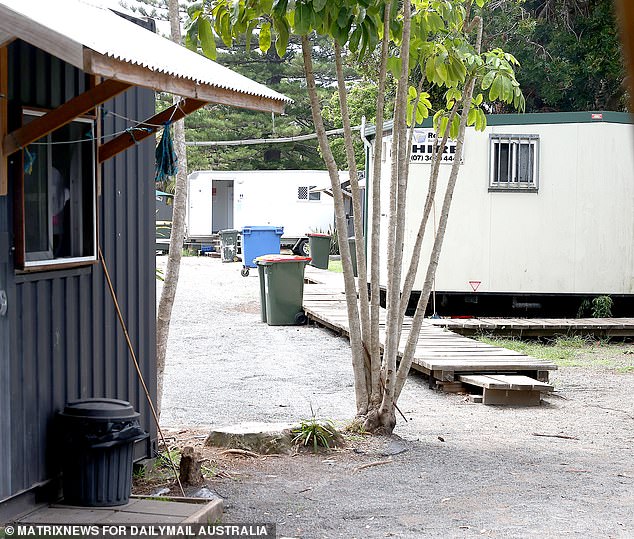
x=302 y=193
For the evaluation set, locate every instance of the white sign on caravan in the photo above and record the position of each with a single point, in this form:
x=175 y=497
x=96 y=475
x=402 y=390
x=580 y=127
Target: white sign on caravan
x=422 y=147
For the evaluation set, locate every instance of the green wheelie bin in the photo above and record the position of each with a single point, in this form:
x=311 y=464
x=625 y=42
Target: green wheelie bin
x=319 y=245
x=282 y=289
x=229 y=245
x=353 y=254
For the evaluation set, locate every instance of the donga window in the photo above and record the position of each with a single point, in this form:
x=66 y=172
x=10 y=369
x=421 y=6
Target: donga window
x=514 y=162
x=58 y=210
x=309 y=193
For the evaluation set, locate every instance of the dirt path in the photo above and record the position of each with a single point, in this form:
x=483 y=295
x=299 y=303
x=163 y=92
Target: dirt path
x=468 y=470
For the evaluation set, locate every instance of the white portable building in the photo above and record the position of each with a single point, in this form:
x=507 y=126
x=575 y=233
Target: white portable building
x=542 y=214
x=294 y=199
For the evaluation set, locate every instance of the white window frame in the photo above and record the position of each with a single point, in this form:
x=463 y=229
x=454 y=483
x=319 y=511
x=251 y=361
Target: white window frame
x=46 y=258
x=513 y=162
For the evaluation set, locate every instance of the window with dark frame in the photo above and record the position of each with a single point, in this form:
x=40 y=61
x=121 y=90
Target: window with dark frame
x=305 y=192
x=514 y=162
x=59 y=196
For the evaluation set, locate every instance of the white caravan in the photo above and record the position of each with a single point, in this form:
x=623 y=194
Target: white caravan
x=542 y=215
x=294 y=199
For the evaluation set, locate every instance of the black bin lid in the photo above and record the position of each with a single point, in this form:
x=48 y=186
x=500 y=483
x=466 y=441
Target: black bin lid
x=100 y=409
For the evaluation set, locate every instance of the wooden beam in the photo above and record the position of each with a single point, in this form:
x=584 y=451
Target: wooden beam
x=4 y=109
x=62 y=115
x=110 y=68
x=147 y=128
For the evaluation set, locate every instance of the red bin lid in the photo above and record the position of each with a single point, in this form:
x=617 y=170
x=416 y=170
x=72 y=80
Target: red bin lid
x=316 y=235
x=283 y=258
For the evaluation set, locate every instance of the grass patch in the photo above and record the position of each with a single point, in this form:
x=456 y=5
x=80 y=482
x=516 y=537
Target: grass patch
x=566 y=351
x=335 y=265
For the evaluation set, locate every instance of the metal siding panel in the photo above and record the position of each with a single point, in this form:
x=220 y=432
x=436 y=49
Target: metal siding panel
x=64 y=340
x=5 y=373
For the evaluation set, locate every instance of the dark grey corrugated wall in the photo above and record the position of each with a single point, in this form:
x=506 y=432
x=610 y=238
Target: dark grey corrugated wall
x=65 y=342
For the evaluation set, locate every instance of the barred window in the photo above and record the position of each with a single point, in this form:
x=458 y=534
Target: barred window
x=514 y=162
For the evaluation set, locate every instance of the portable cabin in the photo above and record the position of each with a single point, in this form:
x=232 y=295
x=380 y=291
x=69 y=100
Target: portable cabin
x=294 y=199
x=542 y=217
x=77 y=124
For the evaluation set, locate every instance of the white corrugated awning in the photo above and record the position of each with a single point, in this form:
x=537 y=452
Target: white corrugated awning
x=102 y=43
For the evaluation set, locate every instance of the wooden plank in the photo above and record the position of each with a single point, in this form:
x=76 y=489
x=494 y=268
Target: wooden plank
x=520 y=382
x=62 y=115
x=513 y=398
x=4 y=109
x=482 y=380
x=147 y=128
x=111 y=68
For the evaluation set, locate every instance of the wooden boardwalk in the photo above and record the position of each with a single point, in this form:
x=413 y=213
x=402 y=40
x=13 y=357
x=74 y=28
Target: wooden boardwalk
x=440 y=353
x=537 y=327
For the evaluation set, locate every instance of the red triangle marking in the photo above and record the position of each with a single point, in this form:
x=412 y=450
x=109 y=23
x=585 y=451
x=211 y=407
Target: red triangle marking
x=475 y=285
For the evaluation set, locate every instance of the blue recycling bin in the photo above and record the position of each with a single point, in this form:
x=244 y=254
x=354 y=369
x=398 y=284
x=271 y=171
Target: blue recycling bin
x=259 y=241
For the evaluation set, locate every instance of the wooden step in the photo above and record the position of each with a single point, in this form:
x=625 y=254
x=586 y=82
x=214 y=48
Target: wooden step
x=507 y=388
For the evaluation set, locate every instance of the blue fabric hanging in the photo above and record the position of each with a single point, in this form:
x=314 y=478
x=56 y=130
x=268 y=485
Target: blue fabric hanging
x=28 y=161
x=166 y=160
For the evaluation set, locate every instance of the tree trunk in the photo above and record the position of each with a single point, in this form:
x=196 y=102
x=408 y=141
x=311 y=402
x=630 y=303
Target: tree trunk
x=398 y=186
x=417 y=321
x=166 y=302
x=375 y=238
x=364 y=308
x=410 y=277
x=356 y=344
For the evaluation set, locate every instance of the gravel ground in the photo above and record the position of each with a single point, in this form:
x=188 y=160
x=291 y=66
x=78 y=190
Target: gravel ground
x=468 y=470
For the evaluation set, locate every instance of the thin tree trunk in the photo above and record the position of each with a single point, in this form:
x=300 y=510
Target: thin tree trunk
x=410 y=277
x=417 y=321
x=357 y=214
x=164 y=314
x=356 y=344
x=395 y=248
x=375 y=240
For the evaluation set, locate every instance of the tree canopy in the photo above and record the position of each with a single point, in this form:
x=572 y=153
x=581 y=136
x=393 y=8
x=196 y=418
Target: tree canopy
x=569 y=52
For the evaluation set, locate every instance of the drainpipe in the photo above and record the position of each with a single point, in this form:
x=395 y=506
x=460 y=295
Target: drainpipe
x=368 y=148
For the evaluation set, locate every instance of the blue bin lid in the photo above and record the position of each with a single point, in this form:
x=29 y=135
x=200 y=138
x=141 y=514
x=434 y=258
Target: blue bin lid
x=279 y=230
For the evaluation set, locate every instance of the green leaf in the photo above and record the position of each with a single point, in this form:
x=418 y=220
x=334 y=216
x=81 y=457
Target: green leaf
x=279 y=8
x=481 y=121
x=477 y=100
x=394 y=66
x=496 y=88
x=355 y=38
x=318 y=5
x=455 y=127
x=430 y=69
x=302 y=19
x=191 y=37
x=265 y=37
x=206 y=37
x=488 y=80
x=282 y=29
x=472 y=117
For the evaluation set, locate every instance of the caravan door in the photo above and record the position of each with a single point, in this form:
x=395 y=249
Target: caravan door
x=200 y=207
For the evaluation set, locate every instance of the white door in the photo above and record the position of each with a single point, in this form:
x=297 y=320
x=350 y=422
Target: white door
x=200 y=207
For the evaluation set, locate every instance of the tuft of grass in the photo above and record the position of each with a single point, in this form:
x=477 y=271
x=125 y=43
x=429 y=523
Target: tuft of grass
x=335 y=265
x=625 y=370
x=564 y=351
x=316 y=433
